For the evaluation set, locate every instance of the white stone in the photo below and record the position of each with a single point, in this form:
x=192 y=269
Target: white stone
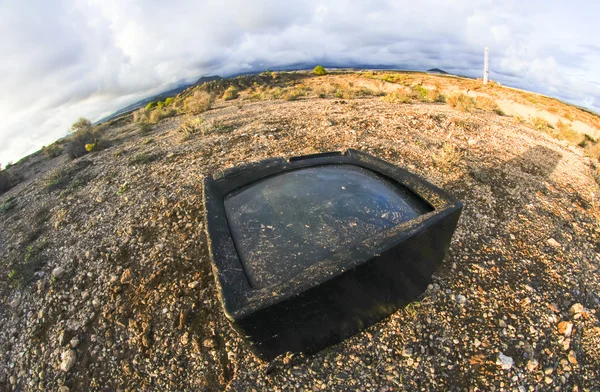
x=504 y=361
x=68 y=360
x=58 y=272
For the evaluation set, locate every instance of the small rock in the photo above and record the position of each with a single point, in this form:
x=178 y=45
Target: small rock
x=64 y=388
x=68 y=360
x=576 y=308
x=548 y=371
x=185 y=339
x=548 y=380
x=41 y=286
x=12 y=380
x=532 y=364
x=15 y=302
x=572 y=358
x=208 y=343
x=502 y=323
x=193 y=284
x=460 y=299
x=565 y=328
x=512 y=237
x=126 y=276
x=504 y=361
x=64 y=337
x=552 y=242
x=74 y=342
x=58 y=272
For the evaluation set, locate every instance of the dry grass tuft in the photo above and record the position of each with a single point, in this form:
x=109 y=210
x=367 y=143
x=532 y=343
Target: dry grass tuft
x=448 y=156
x=191 y=126
x=230 y=93
x=398 y=96
x=461 y=102
x=198 y=102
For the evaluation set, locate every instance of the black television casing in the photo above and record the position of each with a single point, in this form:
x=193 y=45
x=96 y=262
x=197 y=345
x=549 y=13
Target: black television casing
x=338 y=296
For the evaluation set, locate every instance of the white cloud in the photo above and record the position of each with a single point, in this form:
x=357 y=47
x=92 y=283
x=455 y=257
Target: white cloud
x=70 y=58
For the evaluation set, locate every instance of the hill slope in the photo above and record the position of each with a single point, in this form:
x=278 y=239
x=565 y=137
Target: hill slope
x=106 y=271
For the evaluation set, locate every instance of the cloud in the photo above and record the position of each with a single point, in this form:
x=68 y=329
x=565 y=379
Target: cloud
x=70 y=58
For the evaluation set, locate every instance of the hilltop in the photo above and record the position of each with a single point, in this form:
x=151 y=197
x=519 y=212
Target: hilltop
x=106 y=282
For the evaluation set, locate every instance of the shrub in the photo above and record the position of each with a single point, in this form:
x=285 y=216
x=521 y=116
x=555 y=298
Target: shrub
x=447 y=157
x=85 y=139
x=398 y=96
x=52 y=151
x=319 y=70
x=230 y=93
x=593 y=150
x=499 y=112
x=567 y=133
x=160 y=104
x=145 y=127
x=81 y=125
x=198 y=102
x=485 y=103
x=587 y=139
x=461 y=102
x=420 y=93
x=150 y=106
x=169 y=101
x=75 y=146
x=293 y=94
x=141 y=114
x=7 y=181
x=192 y=126
x=159 y=114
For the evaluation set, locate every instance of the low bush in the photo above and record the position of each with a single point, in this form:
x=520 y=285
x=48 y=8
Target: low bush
x=485 y=103
x=160 y=104
x=52 y=151
x=85 y=139
x=593 y=150
x=169 y=101
x=398 y=96
x=587 y=139
x=141 y=114
x=319 y=70
x=145 y=127
x=191 y=126
x=230 y=93
x=294 y=94
x=150 y=106
x=7 y=181
x=461 y=102
x=159 y=114
x=198 y=102
x=567 y=133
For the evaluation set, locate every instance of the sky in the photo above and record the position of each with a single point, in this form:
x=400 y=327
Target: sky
x=65 y=59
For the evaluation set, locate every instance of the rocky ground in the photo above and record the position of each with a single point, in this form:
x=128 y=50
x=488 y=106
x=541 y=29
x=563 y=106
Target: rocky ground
x=107 y=283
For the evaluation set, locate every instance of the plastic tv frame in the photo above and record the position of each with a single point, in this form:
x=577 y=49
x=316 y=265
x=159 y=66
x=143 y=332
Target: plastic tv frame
x=309 y=251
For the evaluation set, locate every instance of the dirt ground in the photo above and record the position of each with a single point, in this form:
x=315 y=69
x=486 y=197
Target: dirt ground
x=106 y=281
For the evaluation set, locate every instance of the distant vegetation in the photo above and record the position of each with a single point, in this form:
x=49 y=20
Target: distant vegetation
x=319 y=70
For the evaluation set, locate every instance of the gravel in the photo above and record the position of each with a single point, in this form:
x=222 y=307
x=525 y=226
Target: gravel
x=513 y=307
